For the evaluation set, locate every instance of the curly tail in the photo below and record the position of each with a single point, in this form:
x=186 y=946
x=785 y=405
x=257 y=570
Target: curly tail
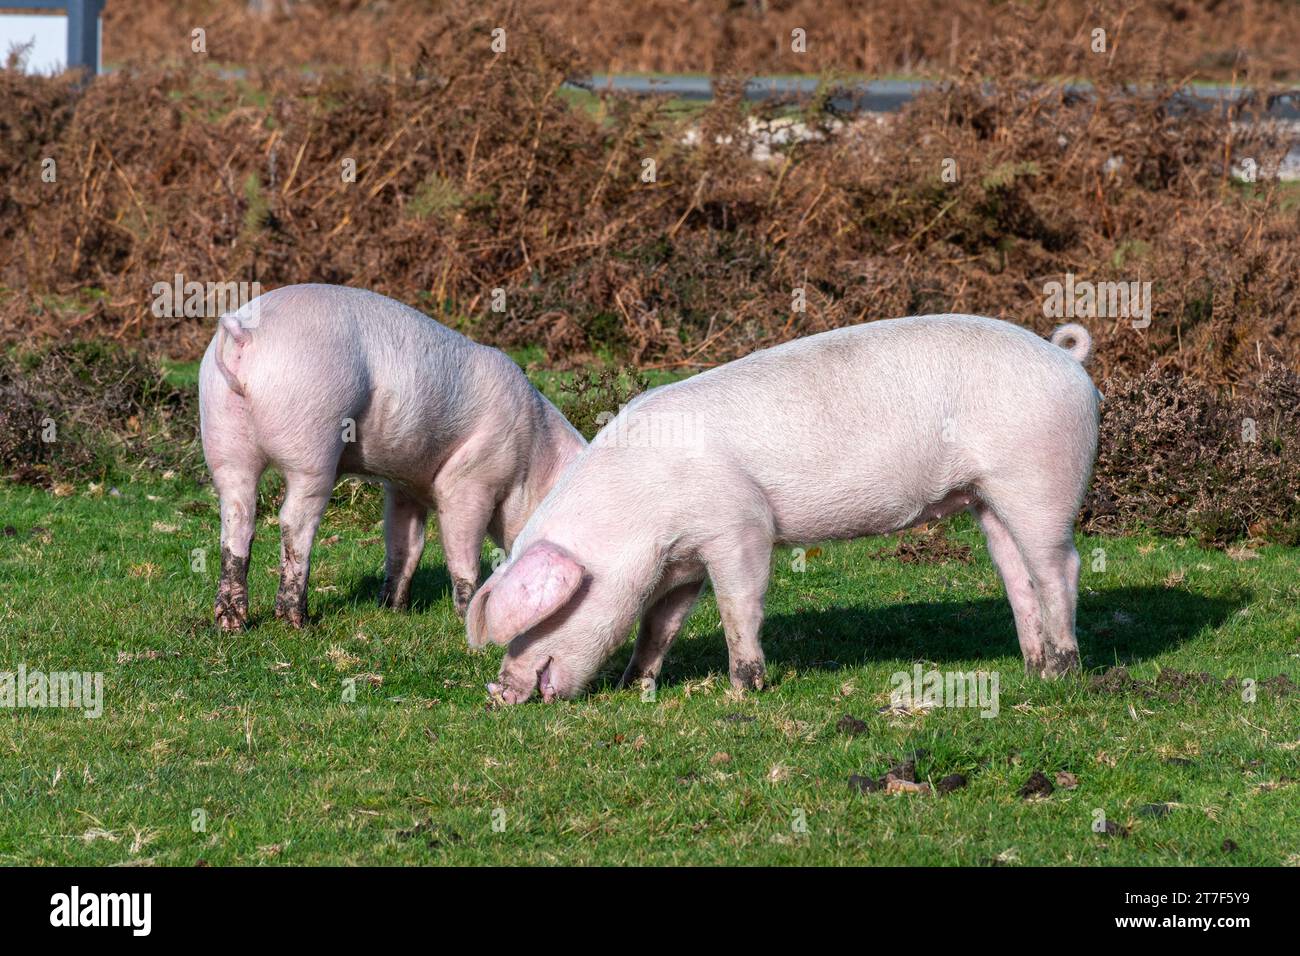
x=1074 y=338
x=230 y=326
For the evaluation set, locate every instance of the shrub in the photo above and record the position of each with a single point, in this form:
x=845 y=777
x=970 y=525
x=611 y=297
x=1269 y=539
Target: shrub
x=478 y=172
x=1176 y=459
x=592 y=398
x=89 y=411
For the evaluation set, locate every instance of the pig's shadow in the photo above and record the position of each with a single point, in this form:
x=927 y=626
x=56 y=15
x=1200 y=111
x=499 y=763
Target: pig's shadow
x=1116 y=626
x=430 y=585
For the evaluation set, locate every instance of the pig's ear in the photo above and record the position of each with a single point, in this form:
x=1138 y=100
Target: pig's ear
x=533 y=588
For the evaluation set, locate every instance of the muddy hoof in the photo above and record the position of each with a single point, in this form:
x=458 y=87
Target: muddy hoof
x=397 y=600
x=635 y=677
x=231 y=617
x=748 y=675
x=462 y=594
x=1058 y=664
x=292 y=615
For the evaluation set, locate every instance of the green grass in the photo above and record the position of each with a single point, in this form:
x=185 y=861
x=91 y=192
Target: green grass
x=252 y=728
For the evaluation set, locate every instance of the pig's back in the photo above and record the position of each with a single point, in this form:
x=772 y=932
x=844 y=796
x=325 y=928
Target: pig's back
x=862 y=427
x=350 y=343
x=340 y=329
x=320 y=355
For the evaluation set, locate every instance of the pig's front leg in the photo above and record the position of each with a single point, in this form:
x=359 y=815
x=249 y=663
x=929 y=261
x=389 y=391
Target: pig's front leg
x=305 y=499
x=660 y=626
x=404 y=519
x=464 y=511
x=739 y=570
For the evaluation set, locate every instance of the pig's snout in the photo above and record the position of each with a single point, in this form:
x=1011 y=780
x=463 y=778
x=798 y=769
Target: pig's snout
x=504 y=694
x=518 y=680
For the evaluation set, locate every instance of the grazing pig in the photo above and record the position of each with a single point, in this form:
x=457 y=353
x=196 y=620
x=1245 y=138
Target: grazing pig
x=859 y=431
x=320 y=380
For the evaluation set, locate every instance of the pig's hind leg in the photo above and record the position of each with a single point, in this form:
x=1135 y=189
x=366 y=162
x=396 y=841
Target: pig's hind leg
x=237 y=491
x=404 y=519
x=1040 y=519
x=1057 y=582
x=1020 y=589
x=306 y=495
x=660 y=626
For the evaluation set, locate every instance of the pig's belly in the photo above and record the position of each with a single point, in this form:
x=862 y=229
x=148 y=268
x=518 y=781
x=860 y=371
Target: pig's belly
x=388 y=465
x=407 y=454
x=804 y=520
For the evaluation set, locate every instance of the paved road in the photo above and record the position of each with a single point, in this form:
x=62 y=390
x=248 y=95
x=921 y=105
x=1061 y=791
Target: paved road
x=887 y=96
x=874 y=96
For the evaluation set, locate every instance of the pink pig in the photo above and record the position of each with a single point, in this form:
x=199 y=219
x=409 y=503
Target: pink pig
x=859 y=431
x=320 y=380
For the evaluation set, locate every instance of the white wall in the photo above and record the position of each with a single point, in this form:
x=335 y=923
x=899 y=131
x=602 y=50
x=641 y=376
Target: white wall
x=50 y=33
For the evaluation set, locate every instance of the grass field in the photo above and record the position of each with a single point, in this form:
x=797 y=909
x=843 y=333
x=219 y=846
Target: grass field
x=242 y=749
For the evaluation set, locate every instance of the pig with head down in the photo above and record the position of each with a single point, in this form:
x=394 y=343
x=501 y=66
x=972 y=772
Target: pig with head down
x=318 y=381
x=859 y=431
